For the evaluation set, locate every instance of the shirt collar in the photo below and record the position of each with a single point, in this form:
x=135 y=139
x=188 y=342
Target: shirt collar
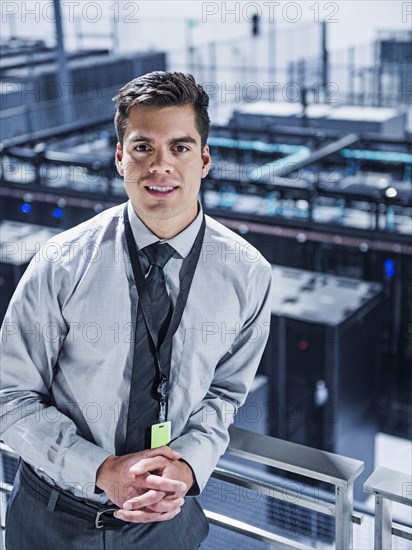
x=182 y=242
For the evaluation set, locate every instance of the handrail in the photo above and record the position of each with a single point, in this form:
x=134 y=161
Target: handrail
x=294 y=458
x=388 y=486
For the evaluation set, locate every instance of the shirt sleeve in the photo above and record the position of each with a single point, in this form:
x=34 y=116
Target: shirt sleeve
x=32 y=335
x=206 y=436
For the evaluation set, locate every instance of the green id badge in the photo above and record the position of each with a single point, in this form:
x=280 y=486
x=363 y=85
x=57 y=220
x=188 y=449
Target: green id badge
x=161 y=434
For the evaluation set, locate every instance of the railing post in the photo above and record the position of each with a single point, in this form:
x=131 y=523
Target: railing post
x=344 y=508
x=383 y=523
x=388 y=486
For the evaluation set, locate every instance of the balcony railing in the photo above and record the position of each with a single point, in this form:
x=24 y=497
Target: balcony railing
x=313 y=464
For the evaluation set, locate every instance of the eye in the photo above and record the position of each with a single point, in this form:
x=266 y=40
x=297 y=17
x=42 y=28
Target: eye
x=141 y=148
x=181 y=148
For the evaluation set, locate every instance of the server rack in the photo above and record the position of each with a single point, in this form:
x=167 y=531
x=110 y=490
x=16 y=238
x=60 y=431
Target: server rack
x=323 y=363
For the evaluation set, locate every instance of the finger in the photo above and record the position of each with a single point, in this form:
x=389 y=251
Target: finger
x=165 y=451
x=138 y=516
x=159 y=483
x=166 y=505
x=146 y=499
x=146 y=465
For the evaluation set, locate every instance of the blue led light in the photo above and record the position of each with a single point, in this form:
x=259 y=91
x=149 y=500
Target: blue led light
x=25 y=208
x=389 y=268
x=57 y=213
x=394 y=157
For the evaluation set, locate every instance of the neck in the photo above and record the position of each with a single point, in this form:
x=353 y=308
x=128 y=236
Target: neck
x=165 y=230
x=170 y=227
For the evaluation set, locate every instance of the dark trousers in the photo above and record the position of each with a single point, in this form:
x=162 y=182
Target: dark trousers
x=30 y=526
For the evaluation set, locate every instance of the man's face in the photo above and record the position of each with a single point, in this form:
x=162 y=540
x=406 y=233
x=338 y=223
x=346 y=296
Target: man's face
x=162 y=163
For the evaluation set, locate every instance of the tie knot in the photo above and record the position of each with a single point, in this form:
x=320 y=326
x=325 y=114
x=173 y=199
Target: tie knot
x=159 y=253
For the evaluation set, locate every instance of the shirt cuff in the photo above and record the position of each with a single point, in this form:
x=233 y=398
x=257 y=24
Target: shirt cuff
x=82 y=461
x=194 y=489
x=197 y=459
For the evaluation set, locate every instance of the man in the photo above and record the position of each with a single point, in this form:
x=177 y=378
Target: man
x=81 y=352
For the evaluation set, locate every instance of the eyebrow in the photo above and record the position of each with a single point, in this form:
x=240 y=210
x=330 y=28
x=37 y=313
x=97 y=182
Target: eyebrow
x=182 y=139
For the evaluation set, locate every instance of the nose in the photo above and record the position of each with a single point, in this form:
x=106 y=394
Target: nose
x=161 y=162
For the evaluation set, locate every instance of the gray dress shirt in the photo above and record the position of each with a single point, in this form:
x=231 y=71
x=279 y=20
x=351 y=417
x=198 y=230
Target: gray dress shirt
x=67 y=347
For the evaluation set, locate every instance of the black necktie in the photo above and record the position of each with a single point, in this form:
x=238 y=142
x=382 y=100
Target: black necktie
x=144 y=399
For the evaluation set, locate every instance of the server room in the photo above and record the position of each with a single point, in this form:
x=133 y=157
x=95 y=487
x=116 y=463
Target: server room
x=278 y=391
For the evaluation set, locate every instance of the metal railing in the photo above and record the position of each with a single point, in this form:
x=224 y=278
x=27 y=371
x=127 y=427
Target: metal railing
x=311 y=463
x=388 y=486
x=297 y=459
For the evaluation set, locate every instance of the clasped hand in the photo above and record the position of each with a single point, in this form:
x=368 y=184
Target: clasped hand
x=148 y=486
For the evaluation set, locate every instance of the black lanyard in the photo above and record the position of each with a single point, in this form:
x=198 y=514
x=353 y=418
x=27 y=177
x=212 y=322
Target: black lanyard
x=186 y=277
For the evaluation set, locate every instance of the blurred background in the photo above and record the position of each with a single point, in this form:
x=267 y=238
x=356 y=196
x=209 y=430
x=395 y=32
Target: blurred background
x=311 y=108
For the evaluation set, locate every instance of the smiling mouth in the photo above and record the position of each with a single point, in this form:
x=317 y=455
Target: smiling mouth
x=161 y=189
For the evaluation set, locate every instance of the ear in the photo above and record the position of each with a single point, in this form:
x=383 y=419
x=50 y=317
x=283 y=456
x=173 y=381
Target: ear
x=206 y=160
x=118 y=158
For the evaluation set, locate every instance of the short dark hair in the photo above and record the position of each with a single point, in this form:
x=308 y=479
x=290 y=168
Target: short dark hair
x=163 y=89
